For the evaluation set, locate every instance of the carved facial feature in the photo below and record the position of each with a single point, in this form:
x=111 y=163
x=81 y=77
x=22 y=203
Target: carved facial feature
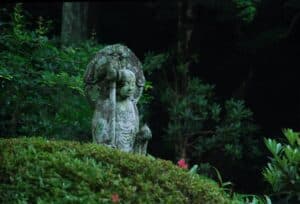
x=126 y=84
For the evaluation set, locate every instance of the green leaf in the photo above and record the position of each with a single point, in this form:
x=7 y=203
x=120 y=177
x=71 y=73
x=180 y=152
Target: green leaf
x=291 y=136
x=194 y=169
x=274 y=147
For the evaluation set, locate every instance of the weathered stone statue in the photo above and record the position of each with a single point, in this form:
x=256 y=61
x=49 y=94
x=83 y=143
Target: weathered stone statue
x=114 y=82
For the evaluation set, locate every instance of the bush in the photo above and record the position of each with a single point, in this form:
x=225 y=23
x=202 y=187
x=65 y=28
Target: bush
x=36 y=170
x=41 y=82
x=198 y=126
x=283 y=172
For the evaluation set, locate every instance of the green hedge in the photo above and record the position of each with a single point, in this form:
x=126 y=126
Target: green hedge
x=36 y=170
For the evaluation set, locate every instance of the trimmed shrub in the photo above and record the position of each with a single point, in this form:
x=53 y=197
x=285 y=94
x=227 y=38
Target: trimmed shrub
x=36 y=170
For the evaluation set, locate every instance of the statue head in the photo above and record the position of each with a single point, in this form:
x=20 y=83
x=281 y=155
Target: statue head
x=125 y=84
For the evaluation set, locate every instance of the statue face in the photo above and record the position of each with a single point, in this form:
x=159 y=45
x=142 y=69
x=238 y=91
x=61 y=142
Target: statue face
x=127 y=85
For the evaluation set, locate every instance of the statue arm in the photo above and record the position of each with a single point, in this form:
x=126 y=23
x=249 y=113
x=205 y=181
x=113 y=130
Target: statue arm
x=95 y=78
x=100 y=134
x=101 y=123
x=142 y=138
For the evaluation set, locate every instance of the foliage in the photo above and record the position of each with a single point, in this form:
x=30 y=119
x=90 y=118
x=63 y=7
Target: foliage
x=151 y=63
x=204 y=125
x=227 y=187
x=283 y=171
x=154 y=62
x=199 y=127
x=250 y=199
x=144 y=102
x=243 y=11
x=41 y=82
x=36 y=170
x=246 y=9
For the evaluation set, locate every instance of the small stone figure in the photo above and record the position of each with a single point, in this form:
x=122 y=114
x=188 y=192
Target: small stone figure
x=114 y=83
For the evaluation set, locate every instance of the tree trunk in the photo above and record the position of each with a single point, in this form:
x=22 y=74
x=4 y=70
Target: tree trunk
x=185 y=26
x=74 y=22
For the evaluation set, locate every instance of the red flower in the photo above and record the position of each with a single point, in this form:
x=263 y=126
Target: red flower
x=182 y=164
x=115 y=198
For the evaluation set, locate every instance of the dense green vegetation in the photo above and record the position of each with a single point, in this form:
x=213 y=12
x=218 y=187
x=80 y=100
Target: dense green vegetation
x=200 y=126
x=35 y=170
x=41 y=83
x=42 y=93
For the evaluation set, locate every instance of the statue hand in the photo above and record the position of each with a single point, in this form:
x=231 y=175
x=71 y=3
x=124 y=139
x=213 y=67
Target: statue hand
x=111 y=73
x=144 y=133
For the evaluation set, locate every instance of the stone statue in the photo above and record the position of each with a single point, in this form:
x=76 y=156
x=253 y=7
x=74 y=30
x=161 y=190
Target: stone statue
x=114 y=82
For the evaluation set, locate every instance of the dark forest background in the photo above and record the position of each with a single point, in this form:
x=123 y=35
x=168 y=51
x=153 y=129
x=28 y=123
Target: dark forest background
x=251 y=55
x=263 y=54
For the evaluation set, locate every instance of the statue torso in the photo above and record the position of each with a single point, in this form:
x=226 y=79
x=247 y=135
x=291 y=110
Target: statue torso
x=127 y=124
